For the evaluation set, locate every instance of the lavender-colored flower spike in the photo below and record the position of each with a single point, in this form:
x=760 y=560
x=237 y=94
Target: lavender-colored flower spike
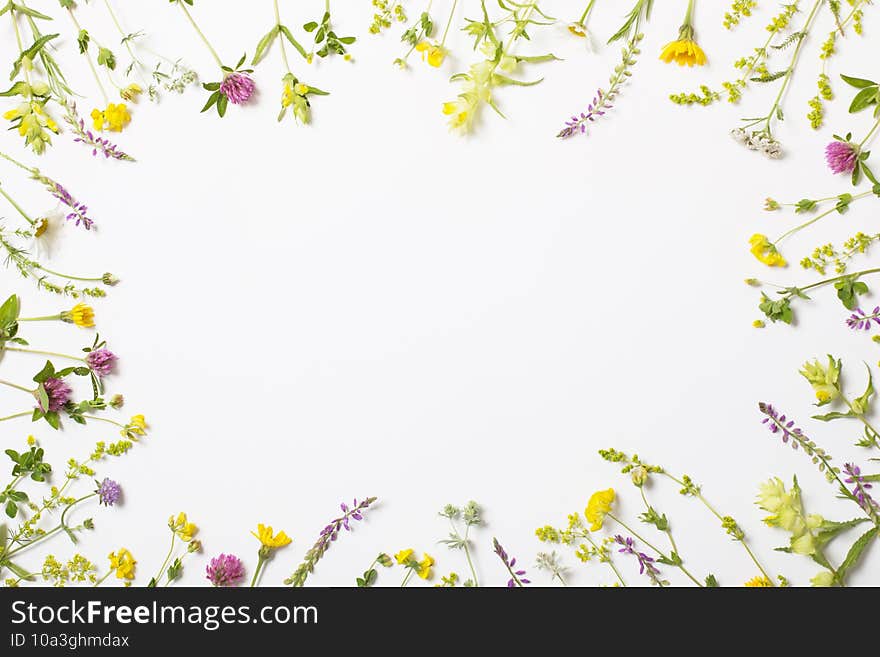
x=85 y=136
x=860 y=321
x=578 y=124
x=646 y=563
x=517 y=577
x=861 y=488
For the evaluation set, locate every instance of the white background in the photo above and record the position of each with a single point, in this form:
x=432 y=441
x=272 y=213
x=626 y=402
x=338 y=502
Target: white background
x=373 y=306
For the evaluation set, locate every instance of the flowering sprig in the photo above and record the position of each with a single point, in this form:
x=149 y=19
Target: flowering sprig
x=270 y=542
x=85 y=136
x=326 y=41
x=517 y=576
x=470 y=514
x=368 y=579
x=326 y=538
x=646 y=563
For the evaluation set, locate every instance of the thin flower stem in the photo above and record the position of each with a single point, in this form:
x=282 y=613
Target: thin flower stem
x=806 y=224
x=122 y=33
x=610 y=562
x=88 y=279
x=281 y=38
x=586 y=14
x=792 y=64
x=27 y=75
x=40 y=352
x=45 y=318
x=828 y=281
x=16 y=386
x=89 y=60
x=665 y=531
x=104 y=419
x=101 y=581
x=406 y=578
x=11 y=159
x=449 y=23
x=688 y=17
x=17 y=207
x=15 y=415
x=201 y=35
x=658 y=551
x=870 y=133
x=167 y=559
x=261 y=561
x=715 y=513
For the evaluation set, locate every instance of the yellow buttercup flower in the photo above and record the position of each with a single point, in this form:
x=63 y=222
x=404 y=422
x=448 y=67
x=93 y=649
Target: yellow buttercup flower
x=81 y=315
x=182 y=527
x=434 y=53
x=765 y=251
x=404 y=557
x=123 y=563
x=424 y=566
x=598 y=507
x=265 y=535
x=683 y=51
x=758 y=582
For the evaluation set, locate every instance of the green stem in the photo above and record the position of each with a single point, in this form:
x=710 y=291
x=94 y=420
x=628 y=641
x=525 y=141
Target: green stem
x=870 y=134
x=16 y=386
x=104 y=419
x=689 y=15
x=806 y=224
x=610 y=562
x=17 y=207
x=828 y=281
x=122 y=33
x=281 y=38
x=63 y=524
x=449 y=23
x=586 y=13
x=655 y=549
x=88 y=279
x=9 y=158
x=791 y=66
x=101 y=581
x=40 y=352
x=45 y=318
x=261 y=560
x=15 y=415
x=407 y=578
x=27 y=75
x=89 y=60
x=167 y=559
x=201 y=34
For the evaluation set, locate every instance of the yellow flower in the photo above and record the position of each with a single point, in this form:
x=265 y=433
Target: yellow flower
x=131 y=92
x=758 y=324
x=265 y=535
x=123 y=563
x=683 y=51
x=404 y=557
x=424 y=567
x=598 y=507
x=434 y=53
x=578 y=30
x=137 y=425
x=758 y=582
x=114 y=118
x=765 y=251
x=182 y=527
x=31 y=441
x=459 y=113
x=81 y=315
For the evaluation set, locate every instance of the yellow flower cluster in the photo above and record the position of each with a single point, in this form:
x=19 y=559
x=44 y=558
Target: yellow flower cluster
x=33 y=124
x=758 y=582
x=123 y=563
x=788 y=514
x=683 y=51
x=269 y=539
x=114 y=118
x=421 y=567
x=182 y=527
x=598 y=507
x=433 y=53
x=823 y=379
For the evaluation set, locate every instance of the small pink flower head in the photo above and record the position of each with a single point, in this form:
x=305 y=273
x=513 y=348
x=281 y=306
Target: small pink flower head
x=225 y=570
x=237 y=87
x=101 y=361
x=841 y=156
x=57 y=392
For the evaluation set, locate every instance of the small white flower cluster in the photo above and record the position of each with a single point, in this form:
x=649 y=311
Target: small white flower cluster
x=758 y=140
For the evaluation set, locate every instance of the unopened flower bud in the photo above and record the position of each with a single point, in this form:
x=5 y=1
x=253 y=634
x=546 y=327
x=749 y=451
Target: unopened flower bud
x=639 y=475
x=116 y=401
x=109 y=279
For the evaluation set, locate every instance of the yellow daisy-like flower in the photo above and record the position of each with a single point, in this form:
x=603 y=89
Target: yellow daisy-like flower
x=424 y=567
x=123 y=563
x=765 y=251
x=265 y=535
x=598 y=507
x=432 y=52
x=758 y=582
x=81 y=315
x=404 y=557
x=683 y=51
x=182 y=527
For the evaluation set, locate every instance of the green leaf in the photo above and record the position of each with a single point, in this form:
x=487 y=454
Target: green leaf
x=834 y=415
x=311 y=26
x=855 y=552
x=858 y=83
x=264 y=44
x=47 y=371
x=10 y=310
x=830 y=529
x=287 y=33
x=11 y=509
x=865 y=98
x=222 y=104
x=212 y=100
x=862 y=404
x=106 y=58
x=19 y=571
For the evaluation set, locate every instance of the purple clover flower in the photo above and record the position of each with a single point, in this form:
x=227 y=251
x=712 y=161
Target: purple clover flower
x=841 y=156
x=516 y=576
x=578 y=124
x=224 y=570
x=58 y=393
x=860 y=321
x=101 y=361
x=237 y=87
x=109 y=492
